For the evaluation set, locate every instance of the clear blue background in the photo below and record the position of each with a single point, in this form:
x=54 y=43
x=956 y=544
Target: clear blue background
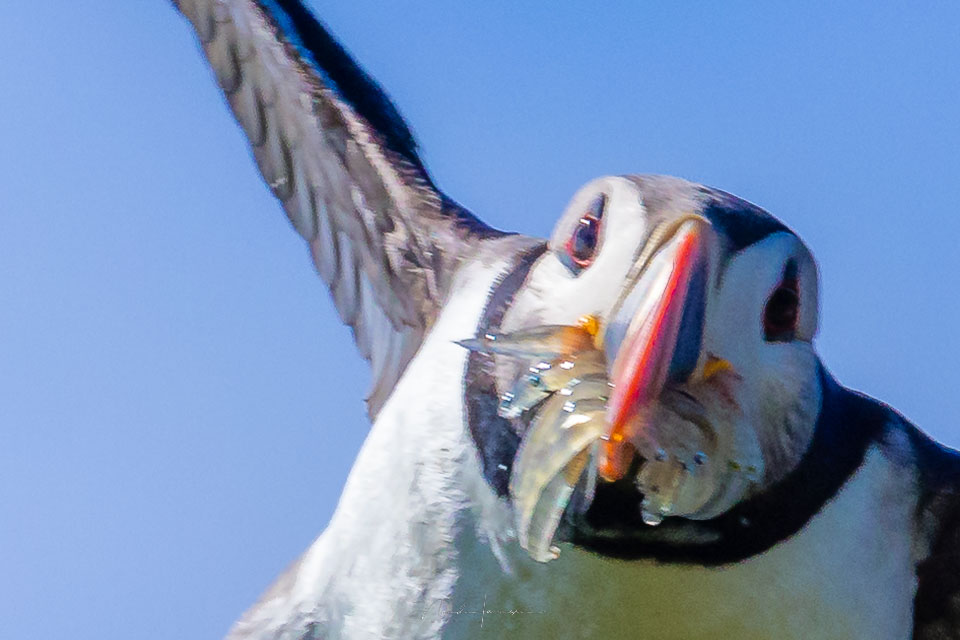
x=179 y=406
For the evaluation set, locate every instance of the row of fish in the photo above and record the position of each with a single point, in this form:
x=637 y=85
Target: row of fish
x=564 y=386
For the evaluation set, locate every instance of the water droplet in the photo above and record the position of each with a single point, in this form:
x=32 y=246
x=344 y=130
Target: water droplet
x=651 y=518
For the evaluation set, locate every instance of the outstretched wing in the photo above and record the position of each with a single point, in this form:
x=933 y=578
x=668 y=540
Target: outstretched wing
x=344 y=165
x=936 y=610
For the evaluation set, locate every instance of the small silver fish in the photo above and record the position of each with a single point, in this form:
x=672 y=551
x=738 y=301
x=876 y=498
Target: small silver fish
x=544 y=342
x=545 y=378
x=537 y=535
x=551 y=459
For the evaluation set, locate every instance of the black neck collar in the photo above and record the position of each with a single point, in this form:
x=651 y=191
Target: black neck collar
x=496 y=438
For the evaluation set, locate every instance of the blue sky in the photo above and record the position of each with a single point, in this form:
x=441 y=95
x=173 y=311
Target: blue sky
x=179 y=406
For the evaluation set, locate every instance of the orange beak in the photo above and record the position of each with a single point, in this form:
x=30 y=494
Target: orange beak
x=653 y=338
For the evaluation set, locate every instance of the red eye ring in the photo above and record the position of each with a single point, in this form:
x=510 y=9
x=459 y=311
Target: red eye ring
x=581 y=247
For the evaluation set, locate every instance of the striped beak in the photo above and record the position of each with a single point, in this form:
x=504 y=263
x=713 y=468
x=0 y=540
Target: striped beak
x=654 y=337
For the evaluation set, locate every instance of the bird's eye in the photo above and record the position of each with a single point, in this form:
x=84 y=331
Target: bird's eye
x=582 y=245
x=782 y=312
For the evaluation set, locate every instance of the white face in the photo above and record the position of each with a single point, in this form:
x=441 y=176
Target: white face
x=760 y=318
x=779 y=388
x=559 y=294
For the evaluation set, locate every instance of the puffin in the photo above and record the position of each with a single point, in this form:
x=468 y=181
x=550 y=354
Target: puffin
x=725 y=484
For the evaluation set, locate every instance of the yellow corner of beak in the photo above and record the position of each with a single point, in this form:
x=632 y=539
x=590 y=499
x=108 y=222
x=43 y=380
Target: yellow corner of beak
x=715 y=365
x=591 y=325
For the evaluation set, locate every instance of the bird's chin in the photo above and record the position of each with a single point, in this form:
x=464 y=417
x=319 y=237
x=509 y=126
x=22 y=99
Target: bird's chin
x=612 y=514
x=612 y=525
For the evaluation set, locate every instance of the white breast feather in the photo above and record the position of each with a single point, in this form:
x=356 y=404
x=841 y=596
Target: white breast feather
x=420 y=548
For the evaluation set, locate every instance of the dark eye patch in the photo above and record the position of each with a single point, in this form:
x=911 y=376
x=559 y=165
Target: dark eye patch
x=782 y=311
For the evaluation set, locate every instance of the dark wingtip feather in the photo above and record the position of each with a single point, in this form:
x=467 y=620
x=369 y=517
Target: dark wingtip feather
x=344 y=75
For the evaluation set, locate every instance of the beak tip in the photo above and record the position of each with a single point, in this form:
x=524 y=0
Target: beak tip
x=614 y=460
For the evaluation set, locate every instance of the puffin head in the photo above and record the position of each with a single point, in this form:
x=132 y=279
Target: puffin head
x=705 y=308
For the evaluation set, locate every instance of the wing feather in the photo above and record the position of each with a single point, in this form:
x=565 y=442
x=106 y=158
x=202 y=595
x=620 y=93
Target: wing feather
x=342 y=162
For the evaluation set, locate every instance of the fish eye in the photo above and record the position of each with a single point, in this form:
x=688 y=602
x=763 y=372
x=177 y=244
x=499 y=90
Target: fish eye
x=581 y=247
x=782 y=312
